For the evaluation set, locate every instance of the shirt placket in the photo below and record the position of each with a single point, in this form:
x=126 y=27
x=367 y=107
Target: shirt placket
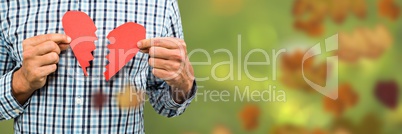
x=81 y=100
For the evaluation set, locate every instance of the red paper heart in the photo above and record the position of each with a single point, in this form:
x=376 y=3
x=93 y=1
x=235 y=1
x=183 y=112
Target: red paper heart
x=123 y=46
x=80 y=27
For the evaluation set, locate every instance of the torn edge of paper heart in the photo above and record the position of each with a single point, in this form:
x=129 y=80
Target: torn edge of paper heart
x=123 y=46
x=81 y=28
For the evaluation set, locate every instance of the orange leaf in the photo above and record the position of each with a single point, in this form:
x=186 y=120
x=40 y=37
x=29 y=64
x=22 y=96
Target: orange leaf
x=339 y=10
x=346 y=98
x=130 y=98
x=221 y=129
x=292 y=76
x=249 y=116
x=388 y=9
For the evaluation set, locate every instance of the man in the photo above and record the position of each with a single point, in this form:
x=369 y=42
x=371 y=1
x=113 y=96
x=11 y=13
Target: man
x=44 y=89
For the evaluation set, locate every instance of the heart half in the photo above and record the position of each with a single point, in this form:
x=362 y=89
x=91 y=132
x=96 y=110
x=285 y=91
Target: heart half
x=81 y=29
x=123 y=47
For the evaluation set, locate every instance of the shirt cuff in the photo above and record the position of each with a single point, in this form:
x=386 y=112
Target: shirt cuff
x=171 y=104
x=9 y=106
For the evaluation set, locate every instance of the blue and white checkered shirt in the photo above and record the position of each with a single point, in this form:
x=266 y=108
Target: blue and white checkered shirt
x=64 y=104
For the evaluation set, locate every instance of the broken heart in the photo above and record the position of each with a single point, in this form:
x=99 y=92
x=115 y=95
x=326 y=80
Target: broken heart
x=81 y=29
x=123 y=41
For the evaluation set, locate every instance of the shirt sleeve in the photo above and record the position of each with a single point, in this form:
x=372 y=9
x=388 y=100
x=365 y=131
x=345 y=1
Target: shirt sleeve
x=9 y=107
x=160 y=94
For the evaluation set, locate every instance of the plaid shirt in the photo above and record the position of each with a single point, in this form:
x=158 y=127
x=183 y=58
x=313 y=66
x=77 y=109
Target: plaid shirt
x=64 y=104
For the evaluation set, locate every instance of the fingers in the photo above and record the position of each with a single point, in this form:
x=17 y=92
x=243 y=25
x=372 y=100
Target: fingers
x=42 y=72
x=163 y=53
x=144 y=44
x=47 y=47
x=57 y=38
x=48 y=59
x=169 y=43
x=40 y=57
x=46 y=70
x=169 y=60
x=164 y=64
x=163 y=74
x=164 y=48
x=167 y=56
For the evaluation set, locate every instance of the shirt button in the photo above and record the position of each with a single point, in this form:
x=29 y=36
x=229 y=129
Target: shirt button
x=79 y=100
x=17 y=111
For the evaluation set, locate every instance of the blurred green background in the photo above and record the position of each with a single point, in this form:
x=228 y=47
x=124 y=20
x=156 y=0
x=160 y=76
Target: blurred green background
x=268 y=25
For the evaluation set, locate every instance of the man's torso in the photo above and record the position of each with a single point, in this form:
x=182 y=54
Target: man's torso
x=64 y=104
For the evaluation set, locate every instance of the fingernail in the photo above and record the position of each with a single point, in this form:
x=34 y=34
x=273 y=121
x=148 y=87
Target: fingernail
x=139 y=44
x=68 y=39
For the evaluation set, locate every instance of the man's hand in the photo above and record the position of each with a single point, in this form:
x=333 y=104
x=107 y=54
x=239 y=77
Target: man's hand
x=40 y=58
x=168 y=57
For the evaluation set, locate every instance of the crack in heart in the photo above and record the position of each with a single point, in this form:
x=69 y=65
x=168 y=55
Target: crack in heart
x=123 y=41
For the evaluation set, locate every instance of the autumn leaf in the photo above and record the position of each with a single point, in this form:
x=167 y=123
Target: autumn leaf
x=319 y=131
x=309 y=16
x=249 y=117
x=370 y=124
x=339 y=10
x=130 y=98
x=364 y=42
x=221 y=129
x=99 y=99
x=343 y=126
x=347 y=98
x=388 y=9
x=387 y=92
x=359 y=8
x=289 y=129
x=292 y=76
